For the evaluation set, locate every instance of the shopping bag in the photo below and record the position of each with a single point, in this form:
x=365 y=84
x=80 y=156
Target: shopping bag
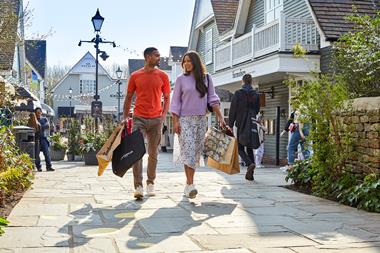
x=176 y=152
x=104 y=156
x=216 y=143
x=229 y=163
x=130 y=150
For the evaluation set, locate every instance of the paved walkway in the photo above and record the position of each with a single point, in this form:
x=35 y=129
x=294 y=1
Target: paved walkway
x=72 y=210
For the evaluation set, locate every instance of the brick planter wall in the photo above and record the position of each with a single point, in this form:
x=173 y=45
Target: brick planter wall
x=362 y=122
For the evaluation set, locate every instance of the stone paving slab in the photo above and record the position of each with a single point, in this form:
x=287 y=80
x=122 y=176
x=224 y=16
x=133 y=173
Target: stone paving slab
x=73 y=210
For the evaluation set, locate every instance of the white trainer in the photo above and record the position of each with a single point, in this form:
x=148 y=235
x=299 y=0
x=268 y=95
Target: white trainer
x=150 y=190
x=139 y=192
x=190 y=191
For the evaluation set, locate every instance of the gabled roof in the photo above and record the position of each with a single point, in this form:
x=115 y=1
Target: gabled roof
x=164 y=64
x=176 y=53
x=225 y=12
x=9 y=10
x=86 y=55
x=35 y=52
x=136 y=64
x=330 y=14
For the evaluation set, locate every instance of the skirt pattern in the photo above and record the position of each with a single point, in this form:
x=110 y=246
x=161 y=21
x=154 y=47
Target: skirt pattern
x=191 y=140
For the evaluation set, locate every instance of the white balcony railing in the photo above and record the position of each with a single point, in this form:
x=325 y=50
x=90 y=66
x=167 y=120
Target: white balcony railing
x=279 y=35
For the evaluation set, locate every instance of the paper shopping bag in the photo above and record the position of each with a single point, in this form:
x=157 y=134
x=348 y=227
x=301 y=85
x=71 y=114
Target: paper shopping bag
x=230 y=162
x=104 y=155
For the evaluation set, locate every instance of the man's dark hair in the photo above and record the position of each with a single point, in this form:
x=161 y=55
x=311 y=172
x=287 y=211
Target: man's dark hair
x=247 y=79
x=38 y=108
x=149 y=51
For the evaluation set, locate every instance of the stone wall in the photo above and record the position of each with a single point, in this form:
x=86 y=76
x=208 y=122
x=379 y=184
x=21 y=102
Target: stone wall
x=362 y=123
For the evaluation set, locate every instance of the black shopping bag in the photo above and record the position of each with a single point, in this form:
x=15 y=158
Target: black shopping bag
x=130 y=150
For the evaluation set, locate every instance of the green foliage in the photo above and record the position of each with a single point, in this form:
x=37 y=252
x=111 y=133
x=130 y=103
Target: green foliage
x=74 y=137
x=301 y=174
x=318 y=100
x=91 y=139
x=57 y=142
x=3 y=223
x=357 y=56
x=299 y=51
x=15 y=167
x=92 y=142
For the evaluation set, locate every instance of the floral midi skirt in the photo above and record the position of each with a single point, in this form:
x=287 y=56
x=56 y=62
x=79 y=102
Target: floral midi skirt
x=191 y=140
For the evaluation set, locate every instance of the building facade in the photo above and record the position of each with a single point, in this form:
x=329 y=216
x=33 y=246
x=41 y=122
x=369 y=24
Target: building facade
x=257 y=37
x=81 y=79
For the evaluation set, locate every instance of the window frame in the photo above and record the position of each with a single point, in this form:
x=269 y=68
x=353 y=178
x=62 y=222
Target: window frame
x=208 y=46
x=274 y=6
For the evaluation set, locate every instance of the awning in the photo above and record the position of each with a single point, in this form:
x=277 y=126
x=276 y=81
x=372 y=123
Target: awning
x=47 y=110
x=26 y=100
x=86 y=109
x=23 y=93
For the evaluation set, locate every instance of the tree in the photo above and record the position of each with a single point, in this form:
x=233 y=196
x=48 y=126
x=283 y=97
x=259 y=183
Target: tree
x=357 y=56
x=53 y=75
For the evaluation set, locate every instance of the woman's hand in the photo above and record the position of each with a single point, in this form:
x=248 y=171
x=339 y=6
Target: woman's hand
x=177 y=127
x=222 y=123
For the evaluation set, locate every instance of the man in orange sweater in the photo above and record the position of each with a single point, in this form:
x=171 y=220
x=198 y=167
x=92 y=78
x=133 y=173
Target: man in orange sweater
x=149 y=84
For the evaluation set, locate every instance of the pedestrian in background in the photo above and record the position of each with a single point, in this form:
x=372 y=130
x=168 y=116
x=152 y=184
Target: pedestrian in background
x=259 y=153
x=192 y=91
x=245 y=106
x=41 y=128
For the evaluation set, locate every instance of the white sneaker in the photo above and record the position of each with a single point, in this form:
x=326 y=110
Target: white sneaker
x=150 y=190
x=284 y=169
x=190 y=191
x=139 y=192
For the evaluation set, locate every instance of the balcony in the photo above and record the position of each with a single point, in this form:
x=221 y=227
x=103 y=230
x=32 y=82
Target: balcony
x=279 y=35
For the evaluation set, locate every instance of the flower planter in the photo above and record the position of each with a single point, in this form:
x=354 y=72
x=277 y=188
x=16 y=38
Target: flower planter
x=72 y=157
x=90 y=158
x=57 y=155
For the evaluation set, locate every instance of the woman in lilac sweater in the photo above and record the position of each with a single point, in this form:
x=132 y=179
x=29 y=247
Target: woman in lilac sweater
x=192 y=91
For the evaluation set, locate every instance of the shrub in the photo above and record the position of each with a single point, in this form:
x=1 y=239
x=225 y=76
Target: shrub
x=57 y=142
x=15 y=167
x=3 y=223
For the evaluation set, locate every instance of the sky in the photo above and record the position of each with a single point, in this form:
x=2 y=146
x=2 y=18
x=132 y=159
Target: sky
x=132 y=24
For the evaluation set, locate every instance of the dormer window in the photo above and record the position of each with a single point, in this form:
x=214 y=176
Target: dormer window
x=273 y=9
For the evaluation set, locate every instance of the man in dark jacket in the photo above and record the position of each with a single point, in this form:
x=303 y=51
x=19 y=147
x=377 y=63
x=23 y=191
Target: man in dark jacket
x=41 y=141
x=244 y=107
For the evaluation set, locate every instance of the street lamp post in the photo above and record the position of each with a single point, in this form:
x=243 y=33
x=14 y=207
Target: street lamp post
x=97 y=22
x=70 y=92
x=119 y=95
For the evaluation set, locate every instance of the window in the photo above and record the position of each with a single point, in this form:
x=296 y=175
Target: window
x=87 y=86
x=208 y=47
x=273 y=9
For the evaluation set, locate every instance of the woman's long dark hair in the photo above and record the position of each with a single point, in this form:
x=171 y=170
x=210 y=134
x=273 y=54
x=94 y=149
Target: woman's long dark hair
x=199 y=71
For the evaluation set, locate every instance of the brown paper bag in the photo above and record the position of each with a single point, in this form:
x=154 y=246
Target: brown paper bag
x=230 y=162
x=104 y=155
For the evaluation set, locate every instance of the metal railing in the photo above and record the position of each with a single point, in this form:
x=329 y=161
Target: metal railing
x=279 y=35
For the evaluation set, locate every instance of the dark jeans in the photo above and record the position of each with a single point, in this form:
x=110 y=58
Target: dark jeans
x=246 y=154
x=42 y=144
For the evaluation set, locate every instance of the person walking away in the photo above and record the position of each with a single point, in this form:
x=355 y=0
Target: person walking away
x=41 y=128
x=259 y=153
x=192 y=91
x=245 y=105
x=149 y=84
